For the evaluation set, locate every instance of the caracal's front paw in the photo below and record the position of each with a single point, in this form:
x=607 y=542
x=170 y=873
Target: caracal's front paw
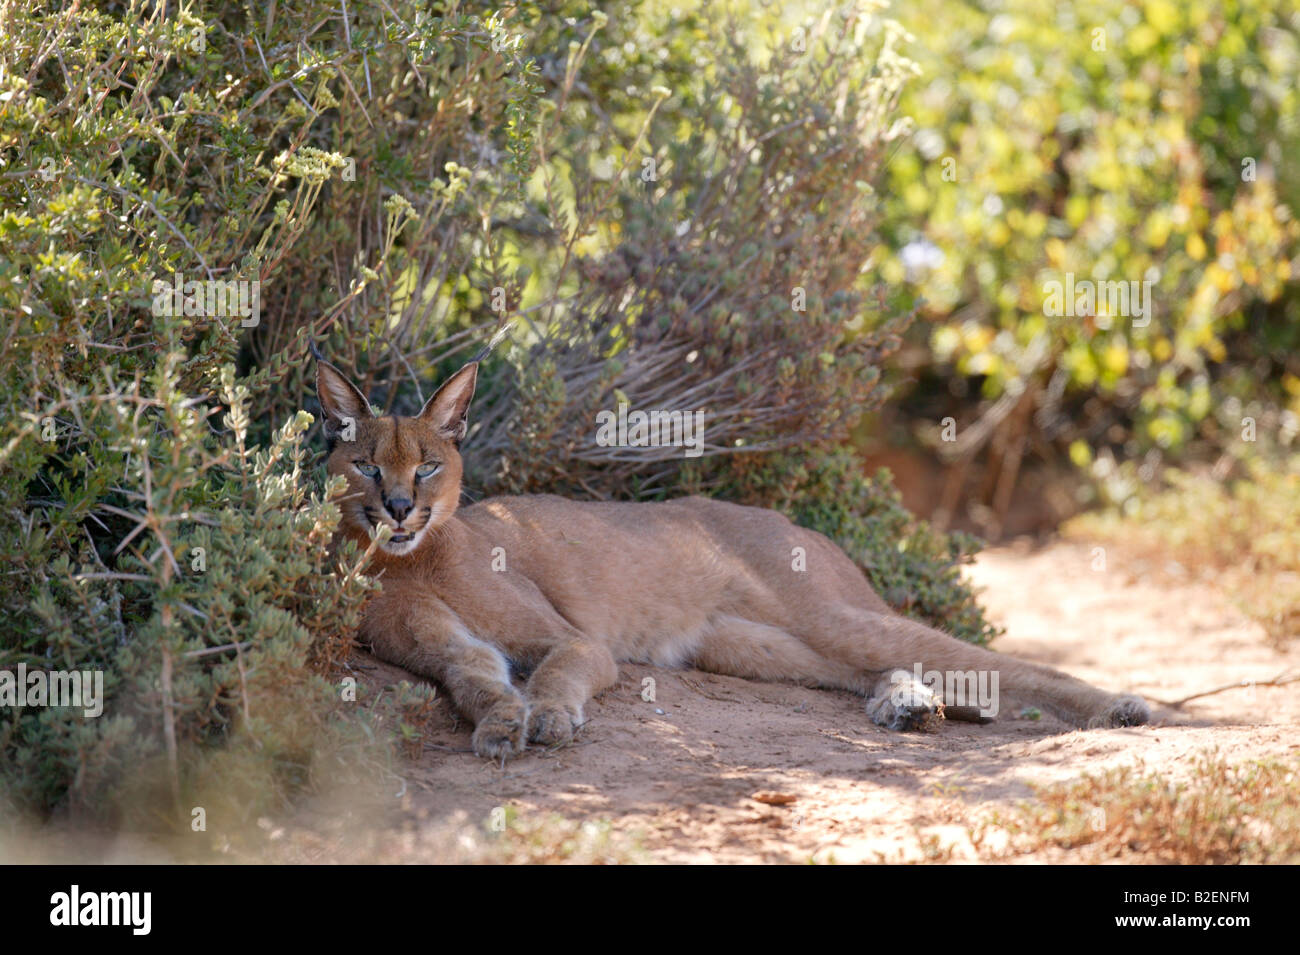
x=500 y=734
x=904 y=703
x=552 y=723
x=1124 y=711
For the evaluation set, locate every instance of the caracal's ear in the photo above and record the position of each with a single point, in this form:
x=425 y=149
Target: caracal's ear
x=342 y=402
x=447 y=411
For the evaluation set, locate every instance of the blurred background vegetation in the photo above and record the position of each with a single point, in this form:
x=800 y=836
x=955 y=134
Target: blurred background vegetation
x=830 y=228
x=1123 y=141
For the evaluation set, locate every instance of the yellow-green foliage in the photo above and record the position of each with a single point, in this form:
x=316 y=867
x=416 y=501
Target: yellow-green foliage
x=1117 y=140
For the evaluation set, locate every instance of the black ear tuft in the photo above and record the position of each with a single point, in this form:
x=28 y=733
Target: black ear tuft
x=448 y=410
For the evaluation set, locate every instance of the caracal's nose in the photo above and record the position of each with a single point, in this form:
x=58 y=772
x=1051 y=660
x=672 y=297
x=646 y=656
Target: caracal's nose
x=399 y=507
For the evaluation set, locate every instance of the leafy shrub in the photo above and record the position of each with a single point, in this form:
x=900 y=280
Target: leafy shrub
x=716 y=269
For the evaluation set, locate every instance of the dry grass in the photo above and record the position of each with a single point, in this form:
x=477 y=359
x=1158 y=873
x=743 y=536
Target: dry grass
x=1226 y=814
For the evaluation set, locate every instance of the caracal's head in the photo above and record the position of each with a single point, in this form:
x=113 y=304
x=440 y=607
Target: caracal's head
x=402 y=472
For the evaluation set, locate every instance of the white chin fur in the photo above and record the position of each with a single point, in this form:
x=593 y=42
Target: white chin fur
x=402 y=548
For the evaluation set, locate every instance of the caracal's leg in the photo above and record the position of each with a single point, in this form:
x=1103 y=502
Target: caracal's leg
x=893 y=648
x=757 y=651
x=571 y=673
x=426 y=637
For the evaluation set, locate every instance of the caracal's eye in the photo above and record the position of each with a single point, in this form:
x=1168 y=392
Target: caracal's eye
x=369 y=470
x=428 y=469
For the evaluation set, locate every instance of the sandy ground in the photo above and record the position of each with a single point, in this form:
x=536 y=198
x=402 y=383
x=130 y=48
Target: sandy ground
x=678 y=775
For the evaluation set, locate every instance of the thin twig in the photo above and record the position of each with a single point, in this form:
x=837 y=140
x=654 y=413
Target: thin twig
x=207 y=651
x=1280 y=680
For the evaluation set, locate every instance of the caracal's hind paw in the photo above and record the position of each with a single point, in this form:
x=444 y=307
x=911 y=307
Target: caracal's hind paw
x=1124 y=711
x=905 y=703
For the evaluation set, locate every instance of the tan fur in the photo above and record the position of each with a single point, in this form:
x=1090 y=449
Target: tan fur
x=565 y=591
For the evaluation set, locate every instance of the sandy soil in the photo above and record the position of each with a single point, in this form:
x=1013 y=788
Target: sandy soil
x=678 y=775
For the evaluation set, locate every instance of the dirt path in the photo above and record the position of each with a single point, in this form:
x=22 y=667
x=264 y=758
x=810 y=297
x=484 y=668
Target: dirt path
x=679 y=774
